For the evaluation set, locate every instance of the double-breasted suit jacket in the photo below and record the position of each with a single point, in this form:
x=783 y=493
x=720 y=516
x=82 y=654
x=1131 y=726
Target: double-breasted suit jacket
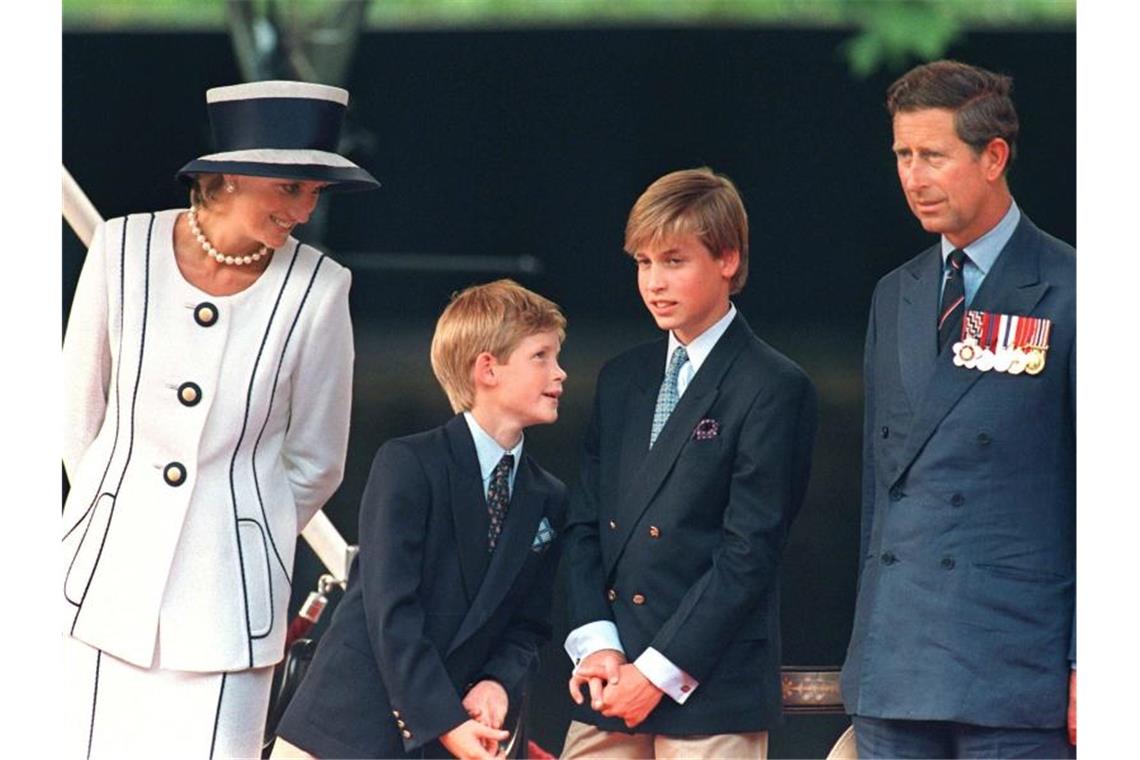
x=966 y=592
x=202 y=433
x=428 y=610
x=680 y=545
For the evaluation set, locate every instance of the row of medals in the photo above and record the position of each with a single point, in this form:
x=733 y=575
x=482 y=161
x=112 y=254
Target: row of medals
x=968 y=354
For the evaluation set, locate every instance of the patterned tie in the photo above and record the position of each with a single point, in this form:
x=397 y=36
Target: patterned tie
x=498 y=496
x=667 y=396
x=953 y=301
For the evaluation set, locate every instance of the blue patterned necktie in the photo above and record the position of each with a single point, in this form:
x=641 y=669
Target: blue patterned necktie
x=498 y=497
x=667 y=396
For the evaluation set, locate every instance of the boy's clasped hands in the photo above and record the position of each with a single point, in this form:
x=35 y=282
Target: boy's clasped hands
x=479 y=737
x=617 y=688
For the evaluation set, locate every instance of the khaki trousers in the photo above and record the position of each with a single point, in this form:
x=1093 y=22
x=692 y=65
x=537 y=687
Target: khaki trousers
x=585 y=741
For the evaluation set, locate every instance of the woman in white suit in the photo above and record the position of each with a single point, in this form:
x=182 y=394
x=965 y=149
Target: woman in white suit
x=208 y=362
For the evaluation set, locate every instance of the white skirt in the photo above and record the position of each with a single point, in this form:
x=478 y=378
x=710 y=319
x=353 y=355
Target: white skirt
x=119 y=710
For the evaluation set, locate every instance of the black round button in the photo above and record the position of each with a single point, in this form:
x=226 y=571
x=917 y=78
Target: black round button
x=189 y=394
x=206 y=314
x=886 y=432
x=174 y=474
x=888 y=558
x=896 y=494
x=948 y=563
x=957 y=500
x=984 y=439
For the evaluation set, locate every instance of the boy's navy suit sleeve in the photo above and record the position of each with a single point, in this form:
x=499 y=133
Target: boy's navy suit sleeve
x=585 y=591
x=393 y=518
x=768 y=480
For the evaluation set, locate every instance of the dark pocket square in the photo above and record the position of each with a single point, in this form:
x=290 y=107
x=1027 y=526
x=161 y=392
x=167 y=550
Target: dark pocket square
x=706 y=429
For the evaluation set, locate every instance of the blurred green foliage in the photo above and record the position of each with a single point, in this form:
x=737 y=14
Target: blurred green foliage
x=885 y=33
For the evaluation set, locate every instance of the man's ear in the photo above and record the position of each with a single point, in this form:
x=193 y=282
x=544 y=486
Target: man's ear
x=996 y=155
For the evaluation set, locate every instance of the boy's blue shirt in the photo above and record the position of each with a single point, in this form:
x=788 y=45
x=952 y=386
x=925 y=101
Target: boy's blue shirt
x=489 y=452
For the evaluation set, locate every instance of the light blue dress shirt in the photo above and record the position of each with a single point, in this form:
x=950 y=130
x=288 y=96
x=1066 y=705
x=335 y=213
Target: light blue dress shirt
x=489 y=452
x=982 y=253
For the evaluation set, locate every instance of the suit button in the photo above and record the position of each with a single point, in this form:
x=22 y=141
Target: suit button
x=174 y=474
x=396 y=713
x=611 y=595
x=957 y=500
x=189 y=394
x=400 y=723
x=406 y=734
x=206 y=314
x=886 y=432
x=613 y=525
x=984 y=439
x=948 y=563
x=638 y=599
x=888 y=558
x=654 y=531
x=896 y=493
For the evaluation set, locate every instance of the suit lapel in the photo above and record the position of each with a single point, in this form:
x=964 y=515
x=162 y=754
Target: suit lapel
x=918 y=320
x=523 y=516
x=639 y=408
x=659 y=460
x=467 y=504
x=1013 y=286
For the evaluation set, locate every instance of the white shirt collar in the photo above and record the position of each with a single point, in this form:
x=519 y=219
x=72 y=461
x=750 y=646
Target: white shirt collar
x=701 y=346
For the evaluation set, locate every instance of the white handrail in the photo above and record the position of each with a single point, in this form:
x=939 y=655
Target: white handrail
x=322 y=536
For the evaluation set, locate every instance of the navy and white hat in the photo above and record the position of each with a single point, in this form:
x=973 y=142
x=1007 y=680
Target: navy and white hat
x=279 y=129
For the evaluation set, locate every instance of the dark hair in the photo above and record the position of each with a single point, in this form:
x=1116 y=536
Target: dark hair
x=980 y=101
x=204 y=188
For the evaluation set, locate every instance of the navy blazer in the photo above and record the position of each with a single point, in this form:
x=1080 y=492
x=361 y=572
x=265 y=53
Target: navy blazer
x=428 y=611
x=966 y=590
x=680 y=545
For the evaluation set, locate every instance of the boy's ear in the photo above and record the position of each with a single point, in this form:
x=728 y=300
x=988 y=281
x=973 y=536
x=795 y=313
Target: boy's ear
x=729 y=262
x=484 y=372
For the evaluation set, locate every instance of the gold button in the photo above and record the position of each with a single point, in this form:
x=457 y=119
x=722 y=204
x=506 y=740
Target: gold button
x=400 y=723
x=396 y=713
x=406 y=734
x=611 y=595
x=654 y=531
x=613 y=525
x=638 y=599
x=174 y=474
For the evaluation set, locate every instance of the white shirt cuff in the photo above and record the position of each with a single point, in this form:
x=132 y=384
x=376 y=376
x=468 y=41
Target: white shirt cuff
x=666 y=676
x=589 y=638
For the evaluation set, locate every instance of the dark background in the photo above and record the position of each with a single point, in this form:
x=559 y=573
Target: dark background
x=536 y=143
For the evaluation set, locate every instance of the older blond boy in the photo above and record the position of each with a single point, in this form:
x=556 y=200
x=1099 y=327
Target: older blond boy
x=448 y=601
x=695 y=464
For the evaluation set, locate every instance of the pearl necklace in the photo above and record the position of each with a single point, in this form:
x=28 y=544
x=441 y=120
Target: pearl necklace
x=213 y=252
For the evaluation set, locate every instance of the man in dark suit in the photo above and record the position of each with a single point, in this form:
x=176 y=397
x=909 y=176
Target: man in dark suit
x=449 y=598
x=964 y=636
x=695 y=464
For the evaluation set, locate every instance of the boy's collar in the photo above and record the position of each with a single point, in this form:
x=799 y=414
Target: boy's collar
x=699 y=348
x=488 y=450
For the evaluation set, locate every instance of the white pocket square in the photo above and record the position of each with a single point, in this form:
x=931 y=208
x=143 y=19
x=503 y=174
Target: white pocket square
x=543 y=537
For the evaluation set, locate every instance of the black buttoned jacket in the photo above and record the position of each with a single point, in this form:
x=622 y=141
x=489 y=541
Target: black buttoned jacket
x=680 y=545
x=428 y=610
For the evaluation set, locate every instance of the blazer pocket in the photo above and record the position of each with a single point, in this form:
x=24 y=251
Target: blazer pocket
x=256 y=575
x=84 y=540
x=1021 y=573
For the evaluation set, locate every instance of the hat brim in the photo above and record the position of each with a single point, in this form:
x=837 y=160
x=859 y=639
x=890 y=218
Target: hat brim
x=340 y=178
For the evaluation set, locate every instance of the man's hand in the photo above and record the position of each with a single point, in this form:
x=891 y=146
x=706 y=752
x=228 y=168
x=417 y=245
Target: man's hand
x=474 y=741
x=596 y=670
x=630 y=697
x=1073 y=707
x=487 y=702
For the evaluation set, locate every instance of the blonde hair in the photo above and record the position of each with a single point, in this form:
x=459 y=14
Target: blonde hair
x=697 y=202
x=492 y=318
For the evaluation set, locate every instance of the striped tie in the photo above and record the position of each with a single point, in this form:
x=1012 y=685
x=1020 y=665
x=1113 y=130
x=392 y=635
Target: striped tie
x=953 y=301
x=667 y=396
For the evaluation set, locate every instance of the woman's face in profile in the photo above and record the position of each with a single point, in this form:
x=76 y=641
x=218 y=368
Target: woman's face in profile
x=267 y=209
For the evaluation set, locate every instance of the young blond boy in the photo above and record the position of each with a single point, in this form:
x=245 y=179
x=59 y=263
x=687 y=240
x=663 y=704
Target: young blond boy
x=449 y=598
x=695 y=464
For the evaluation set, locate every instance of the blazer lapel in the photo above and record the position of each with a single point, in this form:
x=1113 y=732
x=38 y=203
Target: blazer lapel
x=659 y=460
x=918 y=322
x=1013 y=286
x=466 y=499
x=640 y=406
x=523 y=516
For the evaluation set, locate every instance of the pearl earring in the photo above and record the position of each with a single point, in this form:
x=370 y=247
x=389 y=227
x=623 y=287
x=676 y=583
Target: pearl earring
x=229 y=188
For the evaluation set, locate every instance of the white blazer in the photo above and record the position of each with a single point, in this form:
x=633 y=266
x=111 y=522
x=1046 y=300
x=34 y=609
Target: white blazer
x=202 y=433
